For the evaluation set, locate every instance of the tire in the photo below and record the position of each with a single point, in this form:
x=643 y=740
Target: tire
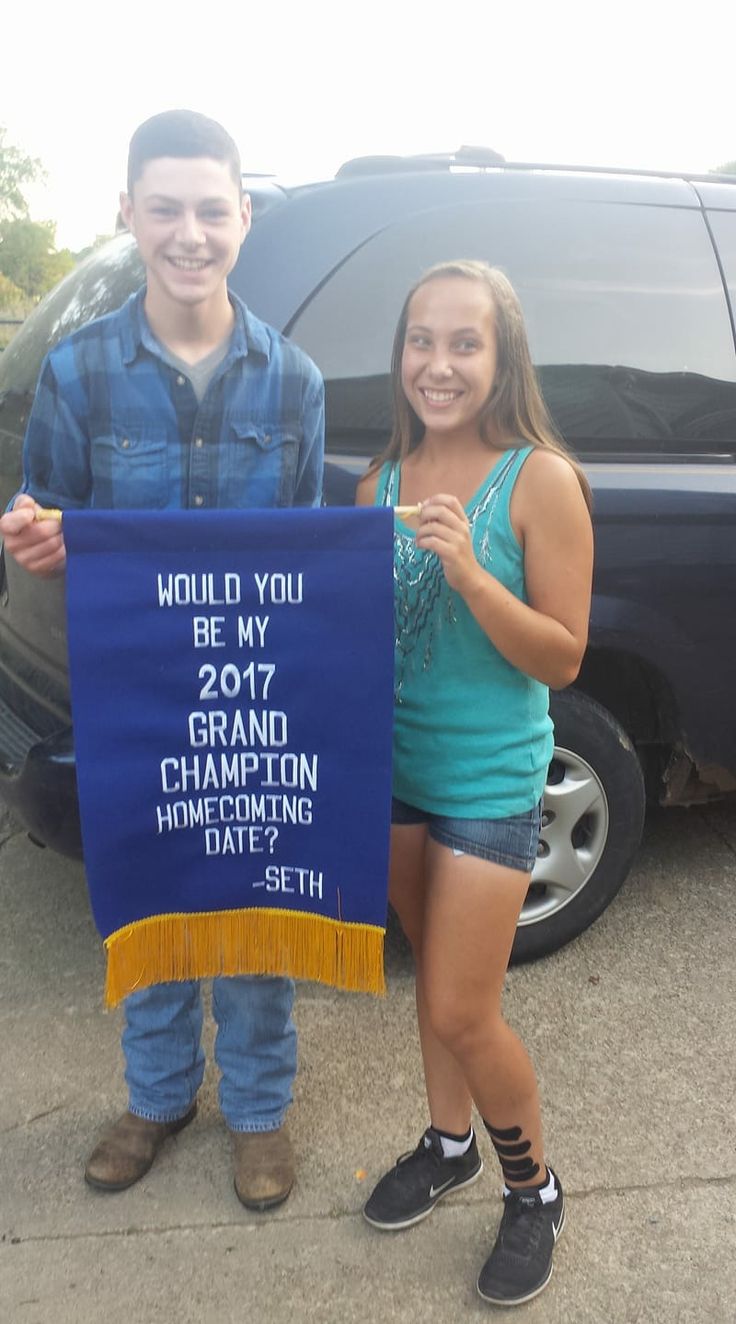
x=593 y=815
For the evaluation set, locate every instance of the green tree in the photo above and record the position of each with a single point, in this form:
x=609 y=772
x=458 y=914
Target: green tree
x=13 y=305
x=12 y=300
x=16 y=170
x=28 y=257
x=728 y=169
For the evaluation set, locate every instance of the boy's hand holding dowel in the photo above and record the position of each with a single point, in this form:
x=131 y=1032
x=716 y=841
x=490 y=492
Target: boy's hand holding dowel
x=33 y=537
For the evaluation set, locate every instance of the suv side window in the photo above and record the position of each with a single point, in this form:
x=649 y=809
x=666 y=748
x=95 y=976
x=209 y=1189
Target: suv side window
x=628 y=324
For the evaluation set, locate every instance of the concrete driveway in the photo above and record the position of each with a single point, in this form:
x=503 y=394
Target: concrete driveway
x=633 y=1030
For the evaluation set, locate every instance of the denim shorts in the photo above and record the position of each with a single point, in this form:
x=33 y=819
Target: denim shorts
x=511 y=842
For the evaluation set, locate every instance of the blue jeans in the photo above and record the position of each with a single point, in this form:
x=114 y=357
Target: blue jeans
x=511 y=841
x=255 y=1050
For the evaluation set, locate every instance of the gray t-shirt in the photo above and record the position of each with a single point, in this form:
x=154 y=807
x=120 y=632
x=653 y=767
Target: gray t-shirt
x=199 y=374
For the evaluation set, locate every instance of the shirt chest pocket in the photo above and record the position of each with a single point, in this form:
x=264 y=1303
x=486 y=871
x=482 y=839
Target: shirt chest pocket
x=130 y=467
x=262 y=463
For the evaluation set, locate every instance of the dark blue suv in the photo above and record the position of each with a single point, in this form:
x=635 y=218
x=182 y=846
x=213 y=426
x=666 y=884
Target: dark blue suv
x=628 y=282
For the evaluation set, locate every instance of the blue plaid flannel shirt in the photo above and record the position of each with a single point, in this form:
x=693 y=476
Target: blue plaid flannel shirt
x=114 y=426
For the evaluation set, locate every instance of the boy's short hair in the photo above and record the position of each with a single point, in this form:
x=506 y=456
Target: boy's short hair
x=181 y=133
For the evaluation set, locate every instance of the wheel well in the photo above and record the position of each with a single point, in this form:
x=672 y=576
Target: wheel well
x=635 y=693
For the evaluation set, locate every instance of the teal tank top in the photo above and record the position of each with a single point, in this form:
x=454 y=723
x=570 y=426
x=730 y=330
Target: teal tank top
x=472 y=733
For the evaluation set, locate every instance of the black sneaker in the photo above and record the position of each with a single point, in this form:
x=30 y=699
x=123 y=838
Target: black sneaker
x=420 y=1178
x=520 y=1264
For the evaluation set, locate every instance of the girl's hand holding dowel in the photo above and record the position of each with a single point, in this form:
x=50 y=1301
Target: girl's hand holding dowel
x=444 y=529
x=544 y=637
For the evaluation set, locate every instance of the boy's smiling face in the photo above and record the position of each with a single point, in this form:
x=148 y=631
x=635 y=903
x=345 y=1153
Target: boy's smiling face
x=189 y=221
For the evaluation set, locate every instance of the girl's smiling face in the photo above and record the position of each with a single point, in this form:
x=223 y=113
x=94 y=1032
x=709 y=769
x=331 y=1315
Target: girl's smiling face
x=448 y=363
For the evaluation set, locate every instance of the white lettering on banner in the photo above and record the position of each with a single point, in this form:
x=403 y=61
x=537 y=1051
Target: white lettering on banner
x=239 y=840
x=208 y=590
x=207 y=631
x=291 y=879
x=243 y=808
x=229 y=682
x=278 y=588
x=205 y=772
x=242 y=784
x=246 y=626
x=269 y=728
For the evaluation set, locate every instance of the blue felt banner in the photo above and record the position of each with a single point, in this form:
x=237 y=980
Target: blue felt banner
x=232 y=697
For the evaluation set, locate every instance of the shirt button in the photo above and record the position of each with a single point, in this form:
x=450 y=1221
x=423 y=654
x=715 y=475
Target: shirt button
x=125 y=443
x=199 y=500
x=198 y=441
x=267 y=438
x=180 y=380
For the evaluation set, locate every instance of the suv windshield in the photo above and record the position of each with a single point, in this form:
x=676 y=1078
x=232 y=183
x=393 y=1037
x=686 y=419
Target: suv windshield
x=95 y=287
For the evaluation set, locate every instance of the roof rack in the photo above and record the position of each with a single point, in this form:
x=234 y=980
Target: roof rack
x=486 y=158
x=263 y=190
x=711 y=177
x=480 y=157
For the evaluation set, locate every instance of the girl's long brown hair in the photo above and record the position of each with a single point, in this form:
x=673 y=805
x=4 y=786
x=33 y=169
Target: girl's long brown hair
x=515 y=406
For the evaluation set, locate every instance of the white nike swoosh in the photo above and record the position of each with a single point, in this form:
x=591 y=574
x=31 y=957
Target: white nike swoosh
x=437 y=1190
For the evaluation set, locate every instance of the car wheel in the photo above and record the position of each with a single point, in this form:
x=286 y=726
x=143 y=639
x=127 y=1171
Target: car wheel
x=592 y=819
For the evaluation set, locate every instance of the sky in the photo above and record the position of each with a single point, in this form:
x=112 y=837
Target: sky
x=303 y=87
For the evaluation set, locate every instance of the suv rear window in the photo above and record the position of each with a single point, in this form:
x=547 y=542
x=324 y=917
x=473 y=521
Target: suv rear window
x=723 y=225
x=627 y=320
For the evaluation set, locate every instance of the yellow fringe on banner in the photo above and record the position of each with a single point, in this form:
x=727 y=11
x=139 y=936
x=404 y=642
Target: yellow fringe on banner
x=244 y=942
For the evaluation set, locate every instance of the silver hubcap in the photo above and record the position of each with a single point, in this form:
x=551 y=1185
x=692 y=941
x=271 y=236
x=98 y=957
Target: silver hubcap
x=573 y=838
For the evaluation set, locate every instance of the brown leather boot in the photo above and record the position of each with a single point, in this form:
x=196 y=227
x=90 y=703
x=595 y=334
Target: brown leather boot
x=127 y=1150
x=264 y=1167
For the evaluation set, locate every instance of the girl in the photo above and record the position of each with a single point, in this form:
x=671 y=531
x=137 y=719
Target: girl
x=492 y=579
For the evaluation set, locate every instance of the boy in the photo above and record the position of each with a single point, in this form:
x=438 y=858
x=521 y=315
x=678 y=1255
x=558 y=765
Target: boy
x=181 y=398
